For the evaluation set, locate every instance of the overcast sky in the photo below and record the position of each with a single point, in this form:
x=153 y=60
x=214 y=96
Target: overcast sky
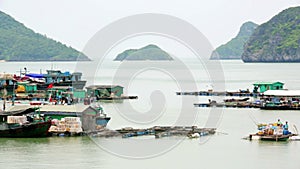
x=74 y=22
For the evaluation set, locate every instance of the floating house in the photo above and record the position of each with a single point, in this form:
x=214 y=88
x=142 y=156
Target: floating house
x=90 y=116
x=65 y=93
x=64 y=79
x=87 y=114
x=264 y=86
x=281 y=100
x=101 y=91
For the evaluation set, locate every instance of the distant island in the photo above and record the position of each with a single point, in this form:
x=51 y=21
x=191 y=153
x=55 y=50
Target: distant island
x=149 y=52
x=19 y=43
x=235 y=47
x=277 y=40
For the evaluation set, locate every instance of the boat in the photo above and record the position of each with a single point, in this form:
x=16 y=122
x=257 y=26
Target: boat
x=272 y=132
x=237 y=100
x=102 y=119
x=22 y=124
x=275 y=137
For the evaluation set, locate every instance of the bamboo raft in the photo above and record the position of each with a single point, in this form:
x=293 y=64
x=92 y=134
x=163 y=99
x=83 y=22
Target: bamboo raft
x=229 y=105
x=157 y=131
x=216 y=93
x=117 y=98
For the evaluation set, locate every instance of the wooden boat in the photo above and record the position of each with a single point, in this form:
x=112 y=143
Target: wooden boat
x=30 y=128
x=102 y=120
x=272 y=132
x=271 y=137
x=237 y=100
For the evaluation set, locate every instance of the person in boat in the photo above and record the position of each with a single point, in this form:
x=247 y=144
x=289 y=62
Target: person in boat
x=279 y=123
x=4 y=105
x=286 y=126
x=286 y=129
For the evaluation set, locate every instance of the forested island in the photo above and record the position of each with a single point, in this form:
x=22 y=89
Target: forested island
x=149 y=52
x=19 y=43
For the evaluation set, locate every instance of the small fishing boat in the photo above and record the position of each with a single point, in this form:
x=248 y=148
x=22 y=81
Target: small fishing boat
x=272 y=132
x=271 y=137
x=22 y=124
x=101 y=119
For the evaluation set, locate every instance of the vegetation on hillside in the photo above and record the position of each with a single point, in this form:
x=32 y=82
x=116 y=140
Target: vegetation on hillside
x=235 y=47
x=149 y=52
x=19 y=43
x=277 y=40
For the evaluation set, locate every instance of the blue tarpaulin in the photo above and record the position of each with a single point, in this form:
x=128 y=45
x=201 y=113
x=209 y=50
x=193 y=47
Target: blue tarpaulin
x=33 y=75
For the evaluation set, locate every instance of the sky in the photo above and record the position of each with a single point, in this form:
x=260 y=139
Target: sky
x=74 y=22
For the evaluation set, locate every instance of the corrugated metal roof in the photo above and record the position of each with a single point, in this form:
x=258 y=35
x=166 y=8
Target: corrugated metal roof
x=266 y=83
x=282 y=93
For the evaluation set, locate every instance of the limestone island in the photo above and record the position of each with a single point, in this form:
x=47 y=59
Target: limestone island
x=149 y=52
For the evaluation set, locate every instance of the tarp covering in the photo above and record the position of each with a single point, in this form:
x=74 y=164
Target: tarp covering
x=34 y=75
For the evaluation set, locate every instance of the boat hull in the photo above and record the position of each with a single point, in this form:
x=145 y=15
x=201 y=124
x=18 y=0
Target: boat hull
x=275 y=138
x=39 y=129
x=279 y=108
x=102 y=121
x=74 y=84
x=270 y=137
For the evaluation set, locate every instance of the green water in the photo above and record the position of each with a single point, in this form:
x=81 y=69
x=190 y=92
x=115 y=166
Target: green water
x=226 y=149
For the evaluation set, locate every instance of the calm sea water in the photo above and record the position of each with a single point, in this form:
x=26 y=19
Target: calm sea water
x=159 y=105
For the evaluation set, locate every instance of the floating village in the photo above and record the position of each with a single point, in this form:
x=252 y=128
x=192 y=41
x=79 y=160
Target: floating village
x=60 y=104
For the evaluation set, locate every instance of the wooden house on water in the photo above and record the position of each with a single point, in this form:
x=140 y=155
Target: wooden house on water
x=65 y=93
x=264 y=86
x=90 y=116
x=281 y=100
x=101 y=91
x=107 y=92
